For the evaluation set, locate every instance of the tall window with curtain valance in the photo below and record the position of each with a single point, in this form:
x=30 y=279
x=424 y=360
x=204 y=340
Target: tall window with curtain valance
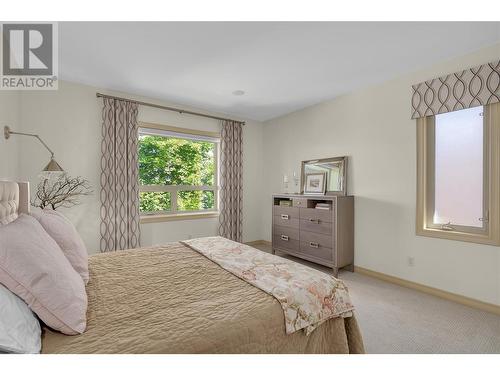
x=458 y=155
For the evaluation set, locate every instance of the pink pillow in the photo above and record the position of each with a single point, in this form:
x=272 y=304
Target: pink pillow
x=68 y=239
x=34 y=267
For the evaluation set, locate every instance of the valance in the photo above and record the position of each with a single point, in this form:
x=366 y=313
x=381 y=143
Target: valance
x=465 y=89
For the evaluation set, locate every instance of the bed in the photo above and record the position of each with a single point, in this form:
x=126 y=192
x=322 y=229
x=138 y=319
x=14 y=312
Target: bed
x=172 y=299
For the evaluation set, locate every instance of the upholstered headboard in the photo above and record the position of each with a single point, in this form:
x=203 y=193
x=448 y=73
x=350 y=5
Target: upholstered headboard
x=14 y=200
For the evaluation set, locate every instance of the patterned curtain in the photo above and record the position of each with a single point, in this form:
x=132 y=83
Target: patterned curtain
x=231 y=181
x=119 y=176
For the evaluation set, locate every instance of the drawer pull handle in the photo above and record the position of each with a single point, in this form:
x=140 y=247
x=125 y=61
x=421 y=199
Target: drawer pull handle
x=314 y=244
x=284 y=238
x=314 y=221
x=285 y=217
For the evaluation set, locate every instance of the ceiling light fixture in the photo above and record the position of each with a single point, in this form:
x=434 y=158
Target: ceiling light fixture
x=238 y=92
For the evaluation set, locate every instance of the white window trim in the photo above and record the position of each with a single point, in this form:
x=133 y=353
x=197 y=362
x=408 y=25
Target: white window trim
x=174 y=214
x=424 y=227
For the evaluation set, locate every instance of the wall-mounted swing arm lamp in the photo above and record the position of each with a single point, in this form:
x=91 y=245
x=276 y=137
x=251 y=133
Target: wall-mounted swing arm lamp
x=53 y=166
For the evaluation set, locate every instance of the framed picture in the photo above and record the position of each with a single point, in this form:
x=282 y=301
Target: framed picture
x=315 y=183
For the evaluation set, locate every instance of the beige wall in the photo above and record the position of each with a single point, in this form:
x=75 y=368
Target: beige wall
x=70 y=121
x=9 y=115
x=373 y=127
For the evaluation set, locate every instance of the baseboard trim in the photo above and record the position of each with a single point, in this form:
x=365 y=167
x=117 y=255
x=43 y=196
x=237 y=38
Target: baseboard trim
x=470 y=302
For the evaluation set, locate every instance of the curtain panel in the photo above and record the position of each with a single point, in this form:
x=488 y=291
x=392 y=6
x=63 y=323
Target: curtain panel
x=119 y=176
x=468 y=88
x=231 y=181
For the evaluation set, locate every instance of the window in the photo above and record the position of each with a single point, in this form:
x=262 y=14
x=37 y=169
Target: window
x=178 y=171
x=458 y=172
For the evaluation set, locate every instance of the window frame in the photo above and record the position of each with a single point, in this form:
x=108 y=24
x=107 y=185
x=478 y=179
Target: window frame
x=174 y=213
x=425 y=226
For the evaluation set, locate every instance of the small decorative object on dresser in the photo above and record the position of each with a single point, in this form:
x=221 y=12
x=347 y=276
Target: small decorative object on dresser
x=284 y=203
x=285 y=183
x=318 y=228
x=296 y=182
x=315 y=183
x=323 y=206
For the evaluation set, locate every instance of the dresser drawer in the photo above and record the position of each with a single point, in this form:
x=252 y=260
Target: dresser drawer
x=313 y=249
x=321 y=239
x=282 y=242
x=285 y=220
x=315 y=214
x=312 y=225
x=292 y=212
x=291 y=233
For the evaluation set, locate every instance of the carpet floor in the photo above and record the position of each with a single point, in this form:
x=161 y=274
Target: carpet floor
x=394 y=319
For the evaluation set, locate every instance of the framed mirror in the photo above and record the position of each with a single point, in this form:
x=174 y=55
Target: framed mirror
x=335 y=170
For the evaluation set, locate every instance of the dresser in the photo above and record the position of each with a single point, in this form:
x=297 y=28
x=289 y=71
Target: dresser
x=322 y=236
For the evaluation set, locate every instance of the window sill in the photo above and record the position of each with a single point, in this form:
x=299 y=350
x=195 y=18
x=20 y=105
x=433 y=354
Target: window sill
x=145 y=219
x=484 y=239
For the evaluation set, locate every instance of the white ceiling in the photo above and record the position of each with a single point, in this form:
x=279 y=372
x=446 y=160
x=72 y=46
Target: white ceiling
x=282 y=67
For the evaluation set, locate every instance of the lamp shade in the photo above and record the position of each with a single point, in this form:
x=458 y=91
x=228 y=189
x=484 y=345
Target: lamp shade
x=53 y=166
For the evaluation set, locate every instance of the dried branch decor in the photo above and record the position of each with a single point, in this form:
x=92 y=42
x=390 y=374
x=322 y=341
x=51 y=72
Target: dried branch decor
x=64 y=191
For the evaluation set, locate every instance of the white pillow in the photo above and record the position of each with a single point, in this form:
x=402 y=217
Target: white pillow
x=68 y=239
x=34 y=268
x=19 y=328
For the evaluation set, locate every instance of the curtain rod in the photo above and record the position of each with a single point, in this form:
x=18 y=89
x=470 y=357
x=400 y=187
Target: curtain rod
x=99 y=95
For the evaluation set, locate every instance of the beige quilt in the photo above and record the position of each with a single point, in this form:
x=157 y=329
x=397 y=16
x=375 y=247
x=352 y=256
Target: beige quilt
x=173 y=300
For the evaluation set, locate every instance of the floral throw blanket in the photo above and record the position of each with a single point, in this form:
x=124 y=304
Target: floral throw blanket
x=308 y=296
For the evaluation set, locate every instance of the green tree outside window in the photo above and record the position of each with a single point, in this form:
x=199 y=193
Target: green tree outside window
x=176 y=161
